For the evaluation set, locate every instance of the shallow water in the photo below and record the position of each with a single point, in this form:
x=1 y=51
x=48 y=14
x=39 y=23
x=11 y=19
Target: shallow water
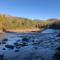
x=45 y=42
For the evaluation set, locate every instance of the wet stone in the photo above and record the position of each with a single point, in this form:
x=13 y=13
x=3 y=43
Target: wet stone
x=25 y=39
x=16 y=50
x=18 y=47
x=5 y=39
x=2 y=57
x=20 y=44
x=24 y=44
x=35 y=48
x=3 y=42
x=9 y=46
x=58 y=35
x=3 y=49
x=16 y=44
x=0 y=43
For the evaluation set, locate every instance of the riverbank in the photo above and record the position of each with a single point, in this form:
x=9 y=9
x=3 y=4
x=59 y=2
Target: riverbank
x=1 y=31
x=24 y=30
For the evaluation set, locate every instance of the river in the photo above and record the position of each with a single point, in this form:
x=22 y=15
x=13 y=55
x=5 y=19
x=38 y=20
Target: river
x=25 y=46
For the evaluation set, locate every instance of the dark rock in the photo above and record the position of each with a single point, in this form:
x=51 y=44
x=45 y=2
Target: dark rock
x=16 y=44
x=0 y=43
x=2 y=57
x=16 y=50
x=3 y=42
x=35 y=47
x=33 y=41
x=18 y=40
x=25 y=40
x=58 y=49
x=57 y=54
x=9 y=46
x=24 y=44
x=5 y=39
x=3 y=49
x=20 y=44
x=18 y=47
x=58 y=35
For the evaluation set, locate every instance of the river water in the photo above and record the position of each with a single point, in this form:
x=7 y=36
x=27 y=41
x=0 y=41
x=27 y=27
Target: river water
x=40 y=45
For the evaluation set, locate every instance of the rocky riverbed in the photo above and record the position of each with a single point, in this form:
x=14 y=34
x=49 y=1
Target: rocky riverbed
x=29 y=46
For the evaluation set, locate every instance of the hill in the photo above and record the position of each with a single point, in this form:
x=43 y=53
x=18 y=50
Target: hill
x=12 y=22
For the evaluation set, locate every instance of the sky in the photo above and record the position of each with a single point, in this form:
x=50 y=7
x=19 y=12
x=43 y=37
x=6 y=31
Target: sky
x=33 y=9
